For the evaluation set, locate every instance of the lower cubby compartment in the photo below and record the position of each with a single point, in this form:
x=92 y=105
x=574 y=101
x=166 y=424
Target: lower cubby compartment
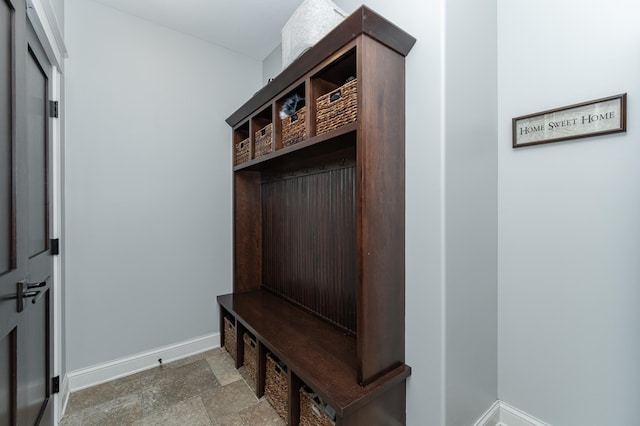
x=230 y=336
x=276 y=386
x=294 y=349
x=314 y=411
x=250 y=357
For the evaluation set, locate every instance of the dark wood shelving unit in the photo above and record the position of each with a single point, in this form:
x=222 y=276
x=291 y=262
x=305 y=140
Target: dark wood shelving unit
x=319 y=229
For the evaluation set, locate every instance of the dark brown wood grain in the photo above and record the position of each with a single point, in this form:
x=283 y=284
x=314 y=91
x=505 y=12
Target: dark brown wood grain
x=261 y=369
x=387 y=410
x=309 y=241
x=361 y=21
x=295 y=384
x=239 y=342
x=319 y=227
x=321 y=355
x=380 y=211
x=311 y=150
x=247 y=232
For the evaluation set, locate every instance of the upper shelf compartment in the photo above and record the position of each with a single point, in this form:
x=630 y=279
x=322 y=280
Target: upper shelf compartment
x=361 y=21
x=293 y=116
x=308 y=150
x=322 y=88
x=335 y=93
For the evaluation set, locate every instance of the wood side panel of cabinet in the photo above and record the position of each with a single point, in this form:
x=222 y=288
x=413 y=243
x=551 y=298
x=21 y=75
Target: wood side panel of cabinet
x=388 y=410
x=247 y=229
x=381 y=232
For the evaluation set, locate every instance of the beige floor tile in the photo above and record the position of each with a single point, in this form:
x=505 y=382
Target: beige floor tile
x=204 y=389
x=72 y=419
x=117 y=412
x=190 y=412
x=261 y=414
x=220 y=360
x=228 y=399
x=90 y=397
x=226 y=377
x=223 y=366
x=178 y=384
x=247 y=379
x=229 y=420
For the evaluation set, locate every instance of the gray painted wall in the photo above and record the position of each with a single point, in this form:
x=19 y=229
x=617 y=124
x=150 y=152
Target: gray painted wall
x=471 y=199
x=451 y=205
x=569 y=234
x=272 y=64
x=58 y=8
x=425 y=286
x=148 y=182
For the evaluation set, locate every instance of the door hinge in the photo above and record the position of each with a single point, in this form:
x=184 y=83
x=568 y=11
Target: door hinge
x=55 y=385
x=55 y=246
x=53 y=109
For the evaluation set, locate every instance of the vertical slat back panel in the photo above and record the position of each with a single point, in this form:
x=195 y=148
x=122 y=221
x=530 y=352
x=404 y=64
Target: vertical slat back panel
x=309 y=238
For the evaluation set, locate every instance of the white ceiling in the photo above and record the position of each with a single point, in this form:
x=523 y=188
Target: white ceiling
x=251 y=27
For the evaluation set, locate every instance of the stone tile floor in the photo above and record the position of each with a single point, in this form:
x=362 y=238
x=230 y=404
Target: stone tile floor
x=202 y=390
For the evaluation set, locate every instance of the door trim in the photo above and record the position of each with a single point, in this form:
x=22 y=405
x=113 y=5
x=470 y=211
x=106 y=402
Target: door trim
x=50 y=37
x=43 y=19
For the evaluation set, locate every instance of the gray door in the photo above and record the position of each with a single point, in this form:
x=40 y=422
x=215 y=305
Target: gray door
x=26 y=309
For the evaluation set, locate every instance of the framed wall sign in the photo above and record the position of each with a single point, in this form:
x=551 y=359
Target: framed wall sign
x=599 y=117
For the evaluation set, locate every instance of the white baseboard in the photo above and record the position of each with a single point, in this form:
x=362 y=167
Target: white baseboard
x=511 y=416
x=502 y=414
x=101 y=373
x=491 y=417
x=64 y=395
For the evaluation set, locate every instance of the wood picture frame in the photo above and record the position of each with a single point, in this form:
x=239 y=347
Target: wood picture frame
x=593 y=118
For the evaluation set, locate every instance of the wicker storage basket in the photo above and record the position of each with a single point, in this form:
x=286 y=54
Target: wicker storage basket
x=337 y=108
x=275 y=387
x=263 y=140
x=242 y=151
x=312 y=411
x=230 y=337
x=250 y=356
x=293 y=127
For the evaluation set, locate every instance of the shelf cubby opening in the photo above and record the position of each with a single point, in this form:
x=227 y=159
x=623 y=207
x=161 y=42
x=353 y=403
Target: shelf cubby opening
x=263 y=132
x=293 y=128
x=230 y=335
x=276 y=385
x=241 y=144
x=250 y=357
x=314 y=410
x=335 y=94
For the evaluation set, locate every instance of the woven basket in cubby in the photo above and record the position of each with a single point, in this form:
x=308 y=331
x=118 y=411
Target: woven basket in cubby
x=250 y=356
x=242 y=151
x=312 y=412
x=263 y=140
x=337 y=108
x=293 y=127
x=275 y=387
x=230 y=337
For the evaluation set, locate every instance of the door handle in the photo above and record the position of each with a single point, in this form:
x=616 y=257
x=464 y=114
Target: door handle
x=22 y=294
x=38 y=284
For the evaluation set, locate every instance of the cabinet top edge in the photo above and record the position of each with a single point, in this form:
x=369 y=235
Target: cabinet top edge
x=362 y=21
